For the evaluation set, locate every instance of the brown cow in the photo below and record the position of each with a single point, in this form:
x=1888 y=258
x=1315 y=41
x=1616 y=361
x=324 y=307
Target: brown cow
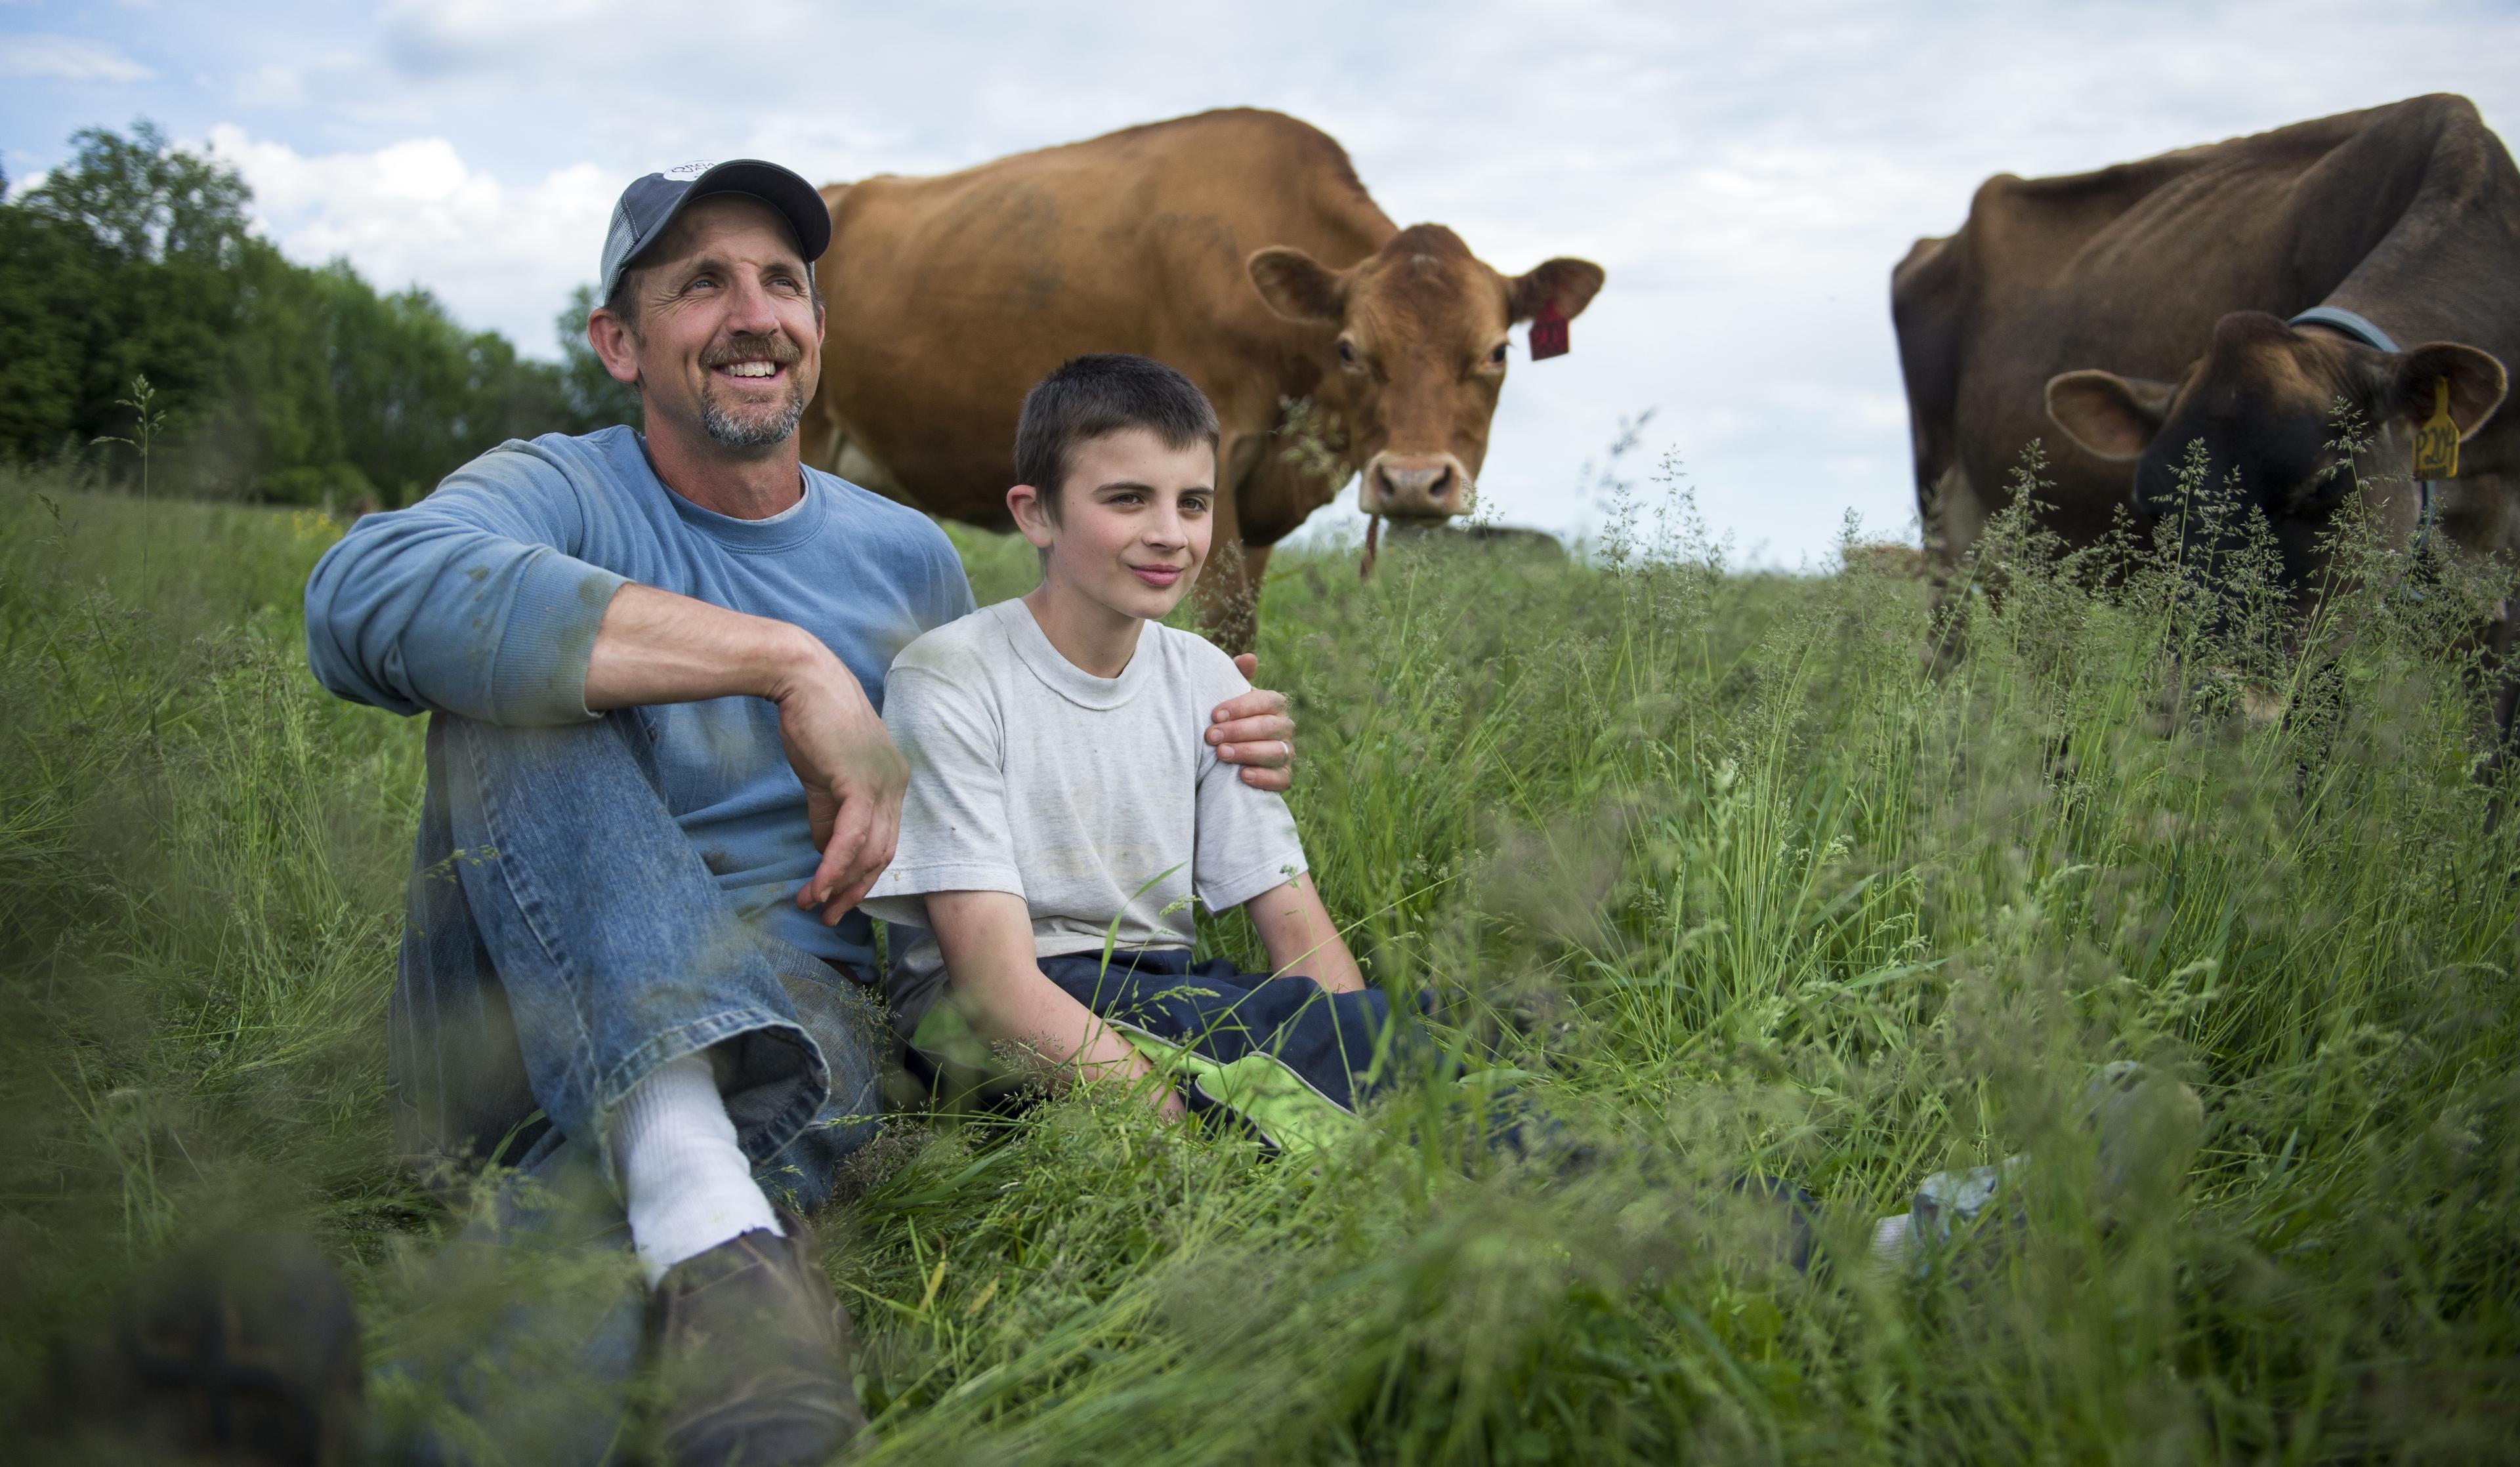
x=2150 y=305
x=1237 y=246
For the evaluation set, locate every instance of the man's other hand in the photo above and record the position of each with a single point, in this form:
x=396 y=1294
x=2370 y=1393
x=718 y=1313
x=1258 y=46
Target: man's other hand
x=1254 y=730
x=853 y=778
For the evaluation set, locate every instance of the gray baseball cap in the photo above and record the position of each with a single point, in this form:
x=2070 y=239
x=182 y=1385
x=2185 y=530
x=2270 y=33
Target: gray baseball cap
x=649 y=205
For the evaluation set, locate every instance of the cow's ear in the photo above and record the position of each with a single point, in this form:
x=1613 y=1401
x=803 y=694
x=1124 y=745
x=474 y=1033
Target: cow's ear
x=1569 y=285
x=2477 y=384
x=1298 y=286
x=2112 y=416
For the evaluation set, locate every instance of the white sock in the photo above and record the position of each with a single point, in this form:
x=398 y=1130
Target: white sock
x=689 y=1185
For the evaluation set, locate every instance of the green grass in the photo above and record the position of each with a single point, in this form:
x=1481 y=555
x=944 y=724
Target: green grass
x=1705 y=853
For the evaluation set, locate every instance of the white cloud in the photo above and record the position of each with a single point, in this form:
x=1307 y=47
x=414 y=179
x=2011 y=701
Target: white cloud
x=503 y=256
x=62 y=57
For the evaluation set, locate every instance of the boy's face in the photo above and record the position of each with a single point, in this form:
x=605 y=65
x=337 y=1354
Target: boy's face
x=1134 y=522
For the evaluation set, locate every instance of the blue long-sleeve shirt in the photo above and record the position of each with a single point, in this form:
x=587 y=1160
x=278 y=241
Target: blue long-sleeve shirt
x=482 y=601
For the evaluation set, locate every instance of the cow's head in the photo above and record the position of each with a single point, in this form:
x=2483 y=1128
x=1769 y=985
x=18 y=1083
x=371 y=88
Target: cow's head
x=2261 y=402
x=1417 y=331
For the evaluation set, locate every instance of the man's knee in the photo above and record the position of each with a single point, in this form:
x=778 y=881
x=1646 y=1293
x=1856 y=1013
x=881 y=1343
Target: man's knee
x=612 y=748
x=849 y=1029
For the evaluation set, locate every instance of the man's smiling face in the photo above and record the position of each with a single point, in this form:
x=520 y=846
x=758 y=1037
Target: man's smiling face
x=728 y=338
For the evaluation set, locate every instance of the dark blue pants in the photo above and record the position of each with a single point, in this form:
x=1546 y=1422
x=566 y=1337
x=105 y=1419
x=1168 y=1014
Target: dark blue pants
x=1333 y=1041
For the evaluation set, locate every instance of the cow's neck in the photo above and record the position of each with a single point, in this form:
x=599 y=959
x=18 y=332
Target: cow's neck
x=2399 y=321
x=2385 y=456
x=2414 y=317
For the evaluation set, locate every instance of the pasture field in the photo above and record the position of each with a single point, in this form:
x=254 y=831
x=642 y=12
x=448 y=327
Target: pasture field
x=1706 y=855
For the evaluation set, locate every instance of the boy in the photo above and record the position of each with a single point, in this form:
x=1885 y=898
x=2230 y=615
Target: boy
x=1059 y=823
x=1060 y=805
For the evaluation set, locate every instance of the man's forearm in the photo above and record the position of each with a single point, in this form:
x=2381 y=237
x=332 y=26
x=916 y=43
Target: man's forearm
x=655 y=647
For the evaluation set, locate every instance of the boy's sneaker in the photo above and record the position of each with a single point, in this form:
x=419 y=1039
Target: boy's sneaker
x=2147 y=1126
x=243 y=1353
x=754 y=1356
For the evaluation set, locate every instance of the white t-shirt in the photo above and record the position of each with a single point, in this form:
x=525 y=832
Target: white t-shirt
x=1094 y=799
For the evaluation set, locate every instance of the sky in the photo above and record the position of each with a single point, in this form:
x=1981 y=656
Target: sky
x=1747 y=174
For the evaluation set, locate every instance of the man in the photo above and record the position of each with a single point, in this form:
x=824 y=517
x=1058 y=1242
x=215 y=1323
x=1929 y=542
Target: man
x=658 y=783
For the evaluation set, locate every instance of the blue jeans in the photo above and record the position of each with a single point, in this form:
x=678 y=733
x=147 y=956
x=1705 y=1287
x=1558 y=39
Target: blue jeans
x=564 y=937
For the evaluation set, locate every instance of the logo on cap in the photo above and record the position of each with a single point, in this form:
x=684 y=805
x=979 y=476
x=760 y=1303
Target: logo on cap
x=688 y=170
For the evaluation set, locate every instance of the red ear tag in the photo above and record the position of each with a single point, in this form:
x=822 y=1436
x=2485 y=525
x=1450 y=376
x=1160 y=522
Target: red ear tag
x=1547 y=333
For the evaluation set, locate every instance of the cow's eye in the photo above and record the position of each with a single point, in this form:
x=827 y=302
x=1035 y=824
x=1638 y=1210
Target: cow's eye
x=1496 y=355
x=1347 y=352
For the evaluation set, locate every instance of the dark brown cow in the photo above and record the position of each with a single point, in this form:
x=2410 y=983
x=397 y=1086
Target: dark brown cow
x=2122 y=315
x=1237 y=246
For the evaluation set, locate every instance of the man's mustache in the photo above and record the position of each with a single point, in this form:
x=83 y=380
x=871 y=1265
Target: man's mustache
x=735 y=349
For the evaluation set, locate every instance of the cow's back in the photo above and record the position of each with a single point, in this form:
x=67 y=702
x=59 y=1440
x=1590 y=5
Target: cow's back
x=2128 y=268
x=949 y=295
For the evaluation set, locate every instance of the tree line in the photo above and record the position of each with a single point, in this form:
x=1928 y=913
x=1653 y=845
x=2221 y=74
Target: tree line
x=278 y=381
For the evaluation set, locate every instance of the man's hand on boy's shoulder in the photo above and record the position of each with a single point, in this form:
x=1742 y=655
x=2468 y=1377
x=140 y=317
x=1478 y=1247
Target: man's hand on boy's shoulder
x=1256 y=731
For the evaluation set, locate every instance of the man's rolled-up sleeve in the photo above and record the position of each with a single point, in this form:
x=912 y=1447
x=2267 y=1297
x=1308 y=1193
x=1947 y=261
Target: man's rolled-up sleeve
x=471 y=601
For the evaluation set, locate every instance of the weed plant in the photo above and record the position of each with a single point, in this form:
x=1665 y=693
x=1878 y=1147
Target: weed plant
x=1703 y=860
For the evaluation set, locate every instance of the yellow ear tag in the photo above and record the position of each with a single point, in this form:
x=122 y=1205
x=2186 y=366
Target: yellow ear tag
x=2437 y=441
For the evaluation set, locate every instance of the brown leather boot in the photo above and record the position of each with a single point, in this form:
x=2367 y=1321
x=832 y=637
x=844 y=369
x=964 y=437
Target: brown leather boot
x=753 y=1355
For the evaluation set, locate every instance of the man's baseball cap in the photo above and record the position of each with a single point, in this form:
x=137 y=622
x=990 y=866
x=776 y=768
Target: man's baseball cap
x=649 y=205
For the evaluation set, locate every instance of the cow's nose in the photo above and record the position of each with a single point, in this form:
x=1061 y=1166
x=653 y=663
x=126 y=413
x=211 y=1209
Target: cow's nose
x=1414 y=487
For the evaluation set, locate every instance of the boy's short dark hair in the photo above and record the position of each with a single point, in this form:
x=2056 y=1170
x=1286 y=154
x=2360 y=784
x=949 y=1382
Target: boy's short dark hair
x=1094 y=396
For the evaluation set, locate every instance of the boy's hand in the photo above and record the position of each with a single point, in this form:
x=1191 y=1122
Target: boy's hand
x=1255 y=732
x=1164 y=1095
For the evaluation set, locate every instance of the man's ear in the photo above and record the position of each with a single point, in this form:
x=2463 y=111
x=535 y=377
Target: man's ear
x=2112 y=416
x=615 y=343
x=1031 y=515
x=1569 y=285
x=1298 y=286
x=2477 y=384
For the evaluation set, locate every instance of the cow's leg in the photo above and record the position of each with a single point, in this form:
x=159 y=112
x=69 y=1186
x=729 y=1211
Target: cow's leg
x=2478 y=524
x=2501 y=689
x=1954 y=518
x=1256 y=571
x=1229 y=608
x=1229 y=590
x=819 y=435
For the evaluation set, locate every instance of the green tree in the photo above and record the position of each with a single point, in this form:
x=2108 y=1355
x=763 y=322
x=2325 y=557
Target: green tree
x=123 y=262
x=278 y=381
x=144 y=198
x=50 y=281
